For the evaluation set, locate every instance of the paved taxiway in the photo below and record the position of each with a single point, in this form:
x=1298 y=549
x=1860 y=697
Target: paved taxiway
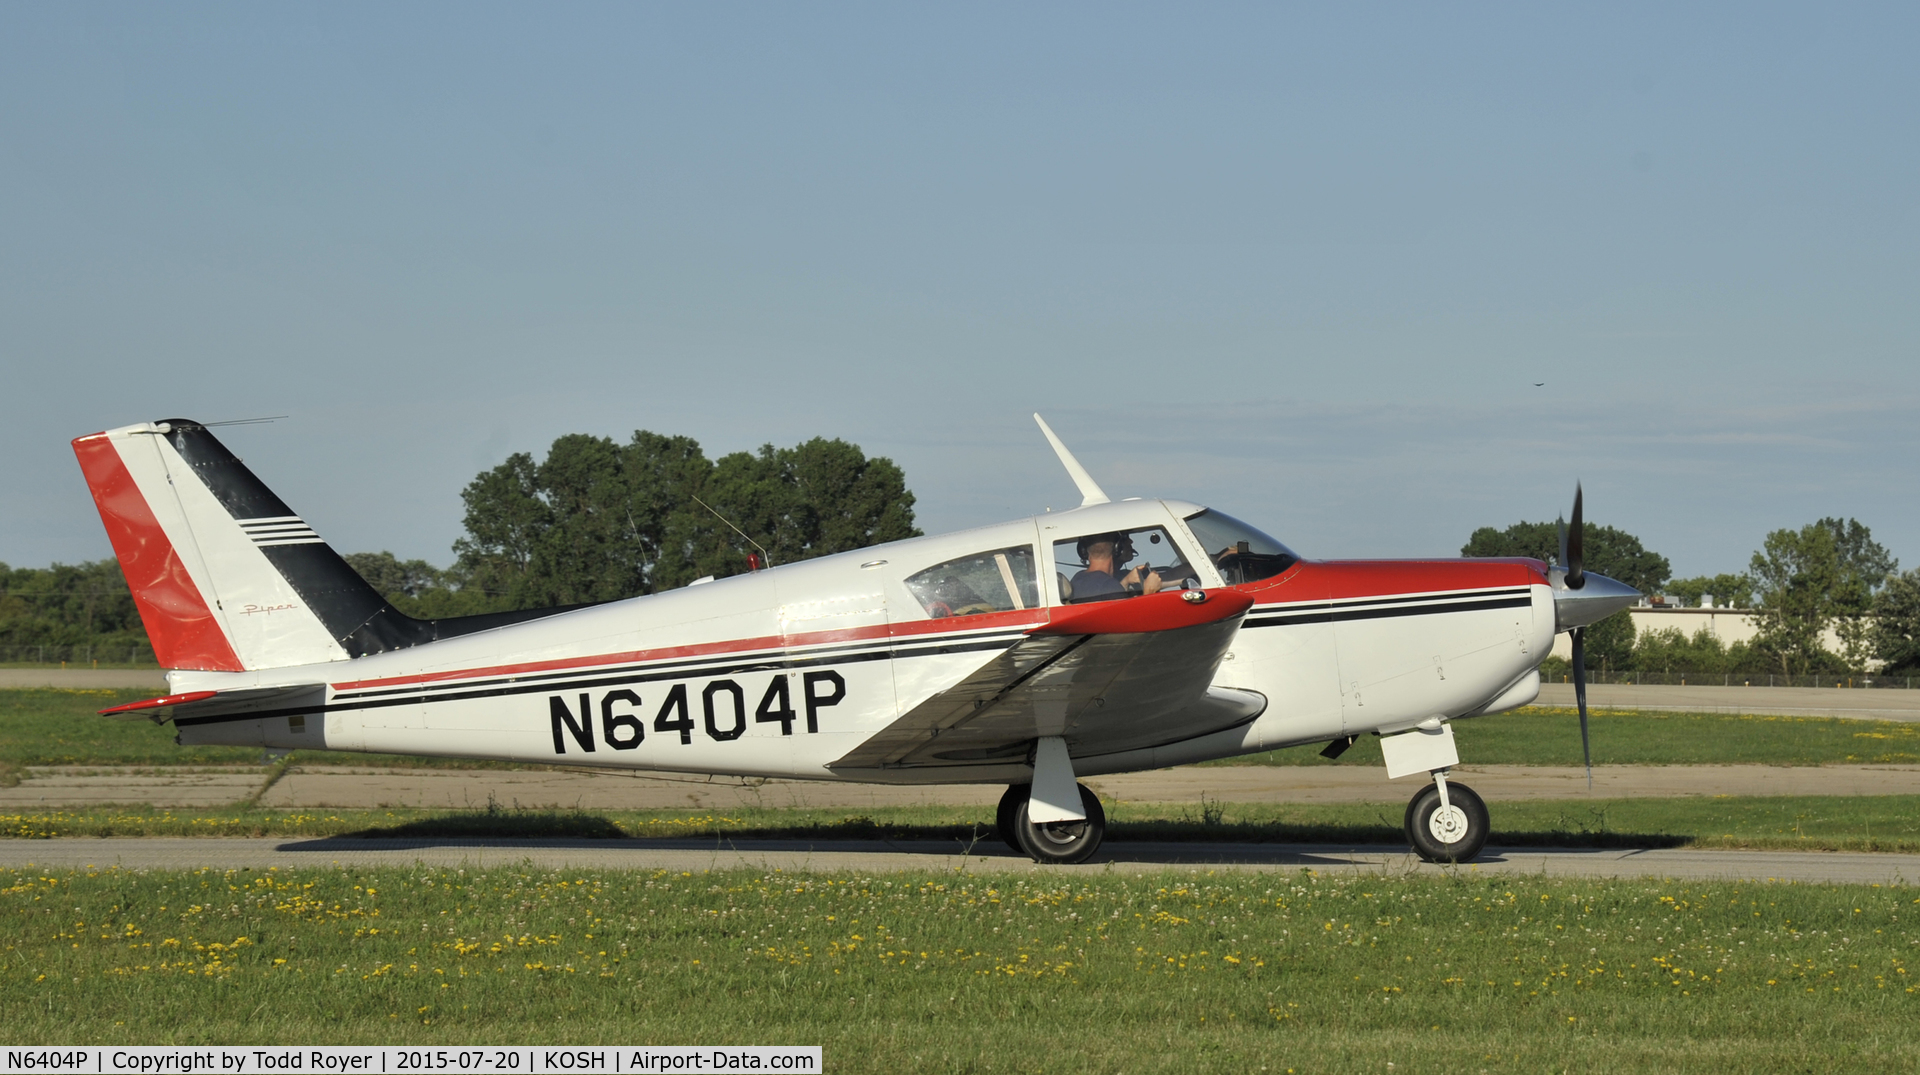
x=1888 y=704
x=883 y=856
x=344 y=787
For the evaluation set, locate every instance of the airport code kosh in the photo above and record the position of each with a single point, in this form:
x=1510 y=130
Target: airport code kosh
x=388 y=1060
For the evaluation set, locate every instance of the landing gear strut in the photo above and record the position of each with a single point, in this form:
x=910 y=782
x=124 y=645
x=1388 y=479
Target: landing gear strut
x=1446 y=822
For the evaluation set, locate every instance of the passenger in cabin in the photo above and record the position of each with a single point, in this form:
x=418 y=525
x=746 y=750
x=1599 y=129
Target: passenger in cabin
x=949 y=596
x=1104 y=555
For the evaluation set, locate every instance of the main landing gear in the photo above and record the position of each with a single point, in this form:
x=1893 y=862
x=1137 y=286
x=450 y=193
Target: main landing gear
x=1060 y=842
x=1446 y=822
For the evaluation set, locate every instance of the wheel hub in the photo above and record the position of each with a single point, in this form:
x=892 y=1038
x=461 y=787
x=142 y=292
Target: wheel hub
x=1448 y=824
x=1061 y=834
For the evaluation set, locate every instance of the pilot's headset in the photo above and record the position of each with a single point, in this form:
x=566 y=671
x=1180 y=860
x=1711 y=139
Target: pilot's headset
x=1122 y=547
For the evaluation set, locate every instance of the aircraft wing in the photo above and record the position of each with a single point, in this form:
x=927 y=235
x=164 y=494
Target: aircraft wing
x=1107 y=677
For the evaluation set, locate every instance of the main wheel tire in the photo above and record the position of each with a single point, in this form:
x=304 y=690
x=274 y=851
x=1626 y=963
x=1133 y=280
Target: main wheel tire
x=1062 y=842
x=1453 y=835
x=1008 y=812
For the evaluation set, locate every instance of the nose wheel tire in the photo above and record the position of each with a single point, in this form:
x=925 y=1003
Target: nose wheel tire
x=1454 y=833
x=1007 y=811
x=1062 y=842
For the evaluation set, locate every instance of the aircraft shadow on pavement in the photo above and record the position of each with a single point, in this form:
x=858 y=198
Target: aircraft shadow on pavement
x=939 y=852
x=516 y=827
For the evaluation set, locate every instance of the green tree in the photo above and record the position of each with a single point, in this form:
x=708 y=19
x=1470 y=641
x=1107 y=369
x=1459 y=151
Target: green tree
x=820 y=497
x=1608 y=551
x=423 y=591
x=395 y=577
x=1864 y=568
x=595 y=547
x=505 y=521
x=597 y=521
x=1729 y=591
x=1671 y=650
x=1614 y=553
x=1896 y=624
x=70 y=605
x=1823 y=574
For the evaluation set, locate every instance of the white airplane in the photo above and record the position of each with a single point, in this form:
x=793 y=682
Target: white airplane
x=1110 y=638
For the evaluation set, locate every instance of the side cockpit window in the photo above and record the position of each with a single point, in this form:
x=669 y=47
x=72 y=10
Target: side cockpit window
x=999 y=581
x=1241 y=553
x=1120 y=563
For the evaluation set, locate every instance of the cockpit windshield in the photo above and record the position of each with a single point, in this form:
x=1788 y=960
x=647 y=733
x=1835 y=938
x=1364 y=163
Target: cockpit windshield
x=1241 y=553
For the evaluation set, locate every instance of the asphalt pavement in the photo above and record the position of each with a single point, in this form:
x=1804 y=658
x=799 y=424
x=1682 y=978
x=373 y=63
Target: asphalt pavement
x=1856 y=704
x=877 y=856
x=122 y=679
x=330 y=787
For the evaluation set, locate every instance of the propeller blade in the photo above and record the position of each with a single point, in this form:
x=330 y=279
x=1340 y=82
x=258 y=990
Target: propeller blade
x=1580 y=693
x=1575 y=546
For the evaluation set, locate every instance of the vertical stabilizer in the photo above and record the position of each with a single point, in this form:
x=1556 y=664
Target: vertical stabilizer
x=197 y=562
x=227 y=578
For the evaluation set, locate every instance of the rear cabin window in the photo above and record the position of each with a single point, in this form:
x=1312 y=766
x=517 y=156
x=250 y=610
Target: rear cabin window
x=1120 y=564
x=999 y=581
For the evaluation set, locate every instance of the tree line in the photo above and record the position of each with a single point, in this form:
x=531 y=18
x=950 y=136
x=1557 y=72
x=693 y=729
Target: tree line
x=597 y=520
x=69 y=606
x=1827 y=575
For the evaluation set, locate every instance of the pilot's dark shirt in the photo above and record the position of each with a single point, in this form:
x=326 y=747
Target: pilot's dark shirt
x=1091 y=583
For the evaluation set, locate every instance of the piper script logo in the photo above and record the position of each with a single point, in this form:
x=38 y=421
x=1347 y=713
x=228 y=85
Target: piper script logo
x=253 y=610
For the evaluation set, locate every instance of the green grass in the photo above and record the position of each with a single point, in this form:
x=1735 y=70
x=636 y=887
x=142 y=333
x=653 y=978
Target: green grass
x=1546 y=736
x=1179 y=971
x=1807 y=823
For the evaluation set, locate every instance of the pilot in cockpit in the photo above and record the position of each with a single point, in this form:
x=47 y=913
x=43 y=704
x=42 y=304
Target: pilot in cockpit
x=1104 y=555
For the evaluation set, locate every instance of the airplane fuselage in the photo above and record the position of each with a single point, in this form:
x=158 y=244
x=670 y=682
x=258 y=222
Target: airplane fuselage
x=783 y=672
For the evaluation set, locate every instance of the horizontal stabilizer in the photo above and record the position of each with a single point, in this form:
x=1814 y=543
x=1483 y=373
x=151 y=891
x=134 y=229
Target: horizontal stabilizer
x=196 y=707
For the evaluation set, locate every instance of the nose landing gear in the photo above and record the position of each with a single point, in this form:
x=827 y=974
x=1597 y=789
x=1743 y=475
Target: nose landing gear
x=1446 y=822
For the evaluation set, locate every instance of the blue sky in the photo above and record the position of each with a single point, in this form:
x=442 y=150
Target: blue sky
x=1302 y=263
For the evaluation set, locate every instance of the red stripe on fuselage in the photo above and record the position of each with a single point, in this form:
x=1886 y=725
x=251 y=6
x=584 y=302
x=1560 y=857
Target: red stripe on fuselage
x=183 y=630
x=986 y=621
x=1336 y=580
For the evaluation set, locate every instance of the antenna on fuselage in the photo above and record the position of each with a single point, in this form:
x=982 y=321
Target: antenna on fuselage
x=766 y=556
x=1090 y=491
